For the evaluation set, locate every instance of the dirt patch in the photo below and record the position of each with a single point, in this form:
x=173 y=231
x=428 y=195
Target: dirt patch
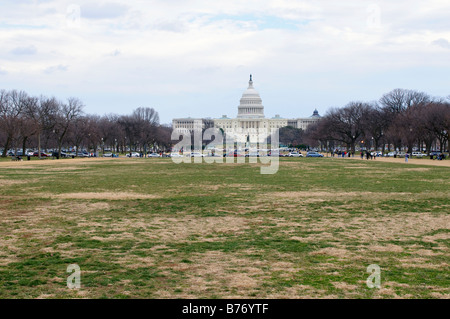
x=345 y=286
x=106 y=196
x=387 y=248
x=10 y=182
x=215 y=269
x=441 y=236
x=332 y=251
x=241 y=186
x=315 y=195
x=188 y=228
x=65 y=169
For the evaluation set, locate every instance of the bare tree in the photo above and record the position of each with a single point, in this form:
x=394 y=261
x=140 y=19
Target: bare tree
x=67 y=113
x=93 y=133
x=346 y=124
x=42 y=113
x=77 y=133
x=12 y=104
x=438 y=122
x=110 y=131
x=375 y=124
x=291 y=136
x=163 y=136
x=146 y=121
x=131 y=128
x=399 y=100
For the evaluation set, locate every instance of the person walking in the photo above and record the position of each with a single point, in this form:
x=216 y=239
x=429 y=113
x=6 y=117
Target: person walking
x=406 y=157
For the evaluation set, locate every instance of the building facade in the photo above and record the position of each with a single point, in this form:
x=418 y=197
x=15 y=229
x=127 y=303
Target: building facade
x=189 y=125
x=250 y=120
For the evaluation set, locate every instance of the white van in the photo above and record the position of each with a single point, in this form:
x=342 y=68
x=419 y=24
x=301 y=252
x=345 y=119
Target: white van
x=418 y=154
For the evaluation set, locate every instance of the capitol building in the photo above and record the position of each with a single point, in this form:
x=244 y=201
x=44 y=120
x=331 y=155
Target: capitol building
x=249 y=121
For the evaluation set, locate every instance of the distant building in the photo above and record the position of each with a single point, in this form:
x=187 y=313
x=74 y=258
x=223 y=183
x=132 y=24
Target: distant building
x=189 y=125
x=249 y=121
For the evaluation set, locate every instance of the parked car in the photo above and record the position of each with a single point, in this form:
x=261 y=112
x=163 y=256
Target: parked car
x=295 y=154
x=108 y=155
x=154 y=155
x=391 y=154
x=313 y=154
x=133 y=154
x=175 y=155
x=418 y=154
x=83 y=154
x=36 y=154
x=196 y=154
x=401 y=154
x=234 y=154
x=212 y=155
x=56 y=154
x=252 y=154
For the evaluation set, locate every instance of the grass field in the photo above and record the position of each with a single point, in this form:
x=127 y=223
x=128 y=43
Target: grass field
x=149 y=228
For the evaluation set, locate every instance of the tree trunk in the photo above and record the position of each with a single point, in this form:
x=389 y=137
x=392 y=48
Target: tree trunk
x=5 y=151
x=376 y=141
x=409 y=148
x=442 y=144
x=24 y=145
x=59 y=149
x=39 y=145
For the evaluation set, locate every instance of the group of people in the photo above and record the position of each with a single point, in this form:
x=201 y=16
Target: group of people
x=439 y=157
x=368 y=155
x=342 y=153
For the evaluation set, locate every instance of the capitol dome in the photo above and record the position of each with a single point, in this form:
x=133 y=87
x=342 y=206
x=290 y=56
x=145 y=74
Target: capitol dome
x=251 y=103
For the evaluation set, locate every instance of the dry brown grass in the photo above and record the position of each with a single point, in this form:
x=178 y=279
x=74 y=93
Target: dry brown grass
x=105 y=196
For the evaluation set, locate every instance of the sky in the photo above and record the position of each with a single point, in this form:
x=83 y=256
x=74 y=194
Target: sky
x=189 y=58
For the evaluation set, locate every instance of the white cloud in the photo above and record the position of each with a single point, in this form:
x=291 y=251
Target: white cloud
x=28 y=50
x=56 y=68
x=443 y=43
x=107 y=10
x=161 y=49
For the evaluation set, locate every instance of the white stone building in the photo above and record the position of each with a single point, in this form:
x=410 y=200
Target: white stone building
x=250 y=119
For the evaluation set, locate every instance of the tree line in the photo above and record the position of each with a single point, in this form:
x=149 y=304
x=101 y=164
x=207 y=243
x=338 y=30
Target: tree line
x=400 y=119
x=48 y=123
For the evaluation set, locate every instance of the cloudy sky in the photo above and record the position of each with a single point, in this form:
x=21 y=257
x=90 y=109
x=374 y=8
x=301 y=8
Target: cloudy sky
x=193 y=58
